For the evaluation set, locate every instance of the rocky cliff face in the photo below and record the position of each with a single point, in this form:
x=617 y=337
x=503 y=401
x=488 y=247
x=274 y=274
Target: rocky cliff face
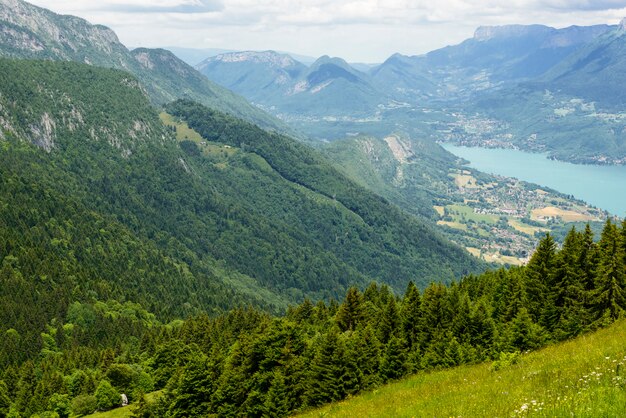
x=33 y=32
x=271 y=58
x=28 y=31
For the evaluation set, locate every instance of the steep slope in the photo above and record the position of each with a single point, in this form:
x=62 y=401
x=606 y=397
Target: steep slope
x=27 y=31
x=596 y=71
x=259 y=76
x=582 y=377
x=407 y=77
x=332 y=87
x=494 y=55
x=373 y=236
x=329 y=87
x=106 y=205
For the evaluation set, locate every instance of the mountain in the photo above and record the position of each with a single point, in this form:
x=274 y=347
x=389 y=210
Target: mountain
x=106 y=205
x=572 y=111
x=406 y=77
x=31 y=32
x=495 y=54
x=329 y=87
x=259 y=76
x=596 y=71
x=193 y=56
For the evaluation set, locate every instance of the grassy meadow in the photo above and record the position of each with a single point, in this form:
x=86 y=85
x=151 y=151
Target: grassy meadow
x=583 y=377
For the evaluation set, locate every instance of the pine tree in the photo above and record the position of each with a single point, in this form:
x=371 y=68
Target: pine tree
x=390 y=324
x=588 y=261
x=350 y=313
x=195 y=387
x=393 y=363
x=435 y=313
x=276 y=401
x=411 y=304
x=482 y=330
x=5 y=400
x=523 y=333
x=26 y=389
x=515 y=296
x=539 y=277
x=566 y=315
x=328 y=370
x=609 y=301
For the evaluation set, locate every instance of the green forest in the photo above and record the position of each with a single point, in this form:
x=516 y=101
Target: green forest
x=112 y=231
x=249 y=363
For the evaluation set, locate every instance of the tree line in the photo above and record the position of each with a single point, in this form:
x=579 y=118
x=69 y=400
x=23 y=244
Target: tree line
x=249 y=363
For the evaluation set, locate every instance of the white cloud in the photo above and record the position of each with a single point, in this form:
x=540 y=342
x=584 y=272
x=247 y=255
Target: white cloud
x=359 y=30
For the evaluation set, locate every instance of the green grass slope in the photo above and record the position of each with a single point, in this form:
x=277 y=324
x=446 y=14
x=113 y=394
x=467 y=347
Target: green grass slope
x=582 y=377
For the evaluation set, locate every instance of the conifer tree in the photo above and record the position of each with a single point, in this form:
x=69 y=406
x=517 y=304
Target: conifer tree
x=435 y=314
x=523 y=333
x=588 y=261
x=609 y=299
x=565 y=316
x=539 y=277
x=26 y=389
x=390 y=321
x=393 y=363
x=328 y=370
x=350 y=313
x=515 y=296
x=277 y=402
x=195 y=387
x=5 y=400
x=482 y=329
x=411 y=304
x=366 y=352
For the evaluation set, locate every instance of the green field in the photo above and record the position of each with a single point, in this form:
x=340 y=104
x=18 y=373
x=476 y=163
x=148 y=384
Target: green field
x=123 y=412
x=582 y=377
x=466 y=213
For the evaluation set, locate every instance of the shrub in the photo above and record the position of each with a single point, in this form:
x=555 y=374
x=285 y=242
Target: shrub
x=84 y=405
x=107 y=396
x=505 y=360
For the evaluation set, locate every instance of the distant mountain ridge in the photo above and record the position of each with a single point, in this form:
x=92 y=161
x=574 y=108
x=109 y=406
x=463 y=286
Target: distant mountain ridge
x=329 y=86
x=499 y=77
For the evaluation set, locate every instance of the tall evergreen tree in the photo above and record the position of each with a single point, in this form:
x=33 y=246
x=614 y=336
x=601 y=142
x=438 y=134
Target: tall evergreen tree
x=565 y=314
x=350 y=313
x=328 y=371
x=393 y=363
x=539 y=277
x=390 y=321
x=411 y=311
x=609 y=300
x=277 y=402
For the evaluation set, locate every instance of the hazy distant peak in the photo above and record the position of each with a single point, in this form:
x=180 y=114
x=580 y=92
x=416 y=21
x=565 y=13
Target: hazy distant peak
x=339 y=62
x=267 y=57
x=485 y=33
x=622 y=24
x=575 y=35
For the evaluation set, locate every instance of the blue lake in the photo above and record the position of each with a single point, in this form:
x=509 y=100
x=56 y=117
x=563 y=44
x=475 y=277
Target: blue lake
x=601 y=186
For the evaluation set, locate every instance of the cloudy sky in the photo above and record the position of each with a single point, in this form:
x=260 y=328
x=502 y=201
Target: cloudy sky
x=358 y=30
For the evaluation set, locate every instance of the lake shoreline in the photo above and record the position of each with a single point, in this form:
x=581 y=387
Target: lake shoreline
x=603 y=186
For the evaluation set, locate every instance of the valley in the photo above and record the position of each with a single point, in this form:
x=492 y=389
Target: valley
x=496 y=218
x=265 y=233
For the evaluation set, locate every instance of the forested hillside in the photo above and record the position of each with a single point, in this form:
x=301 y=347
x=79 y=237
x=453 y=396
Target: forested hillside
x=246 y=363
x=107 y=217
